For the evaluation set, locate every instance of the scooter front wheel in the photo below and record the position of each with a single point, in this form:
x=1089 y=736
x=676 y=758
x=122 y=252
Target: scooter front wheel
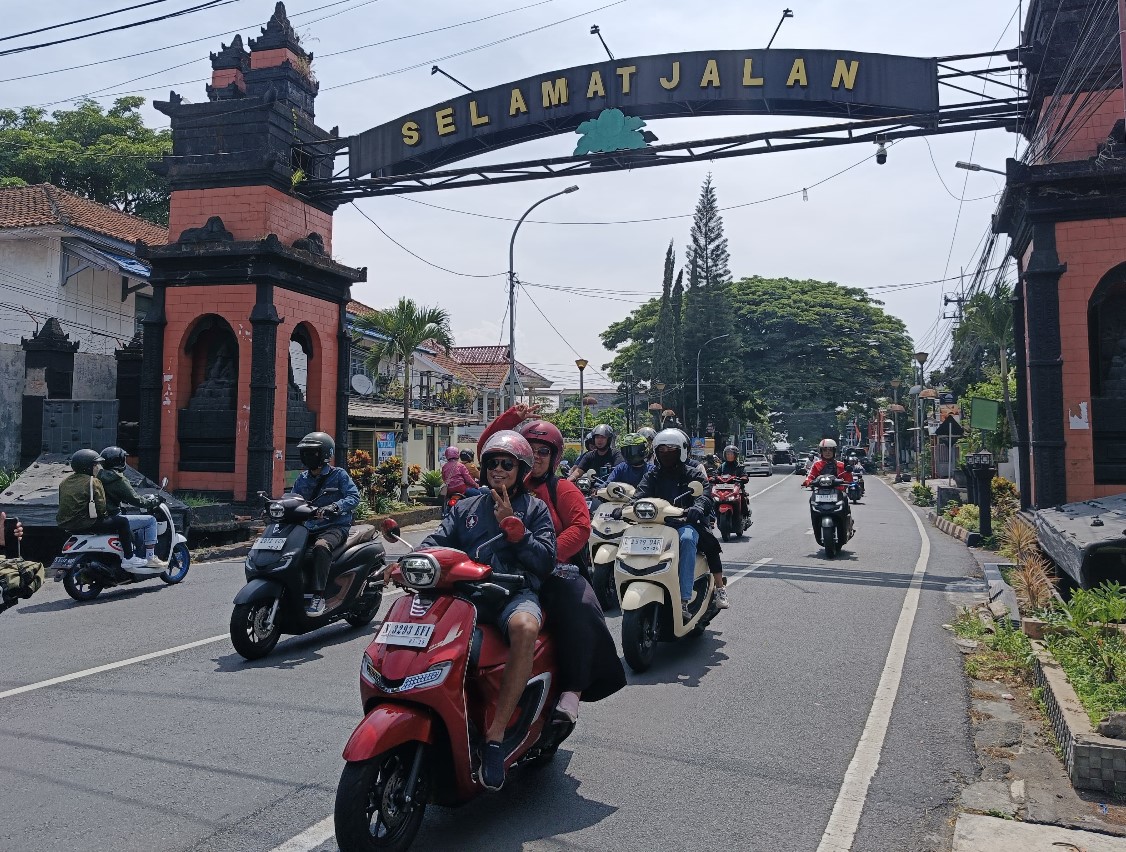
x=371 y=813
x=178 y=565
x=366 y=608
x=639 y=637
x=78 y=586
x=249 y=634
x=602 y=578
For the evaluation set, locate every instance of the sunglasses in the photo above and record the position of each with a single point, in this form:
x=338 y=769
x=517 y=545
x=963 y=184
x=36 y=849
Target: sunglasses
x=504 y=464
x=543 y=452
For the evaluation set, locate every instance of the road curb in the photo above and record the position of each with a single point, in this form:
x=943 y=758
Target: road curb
x=242 y=548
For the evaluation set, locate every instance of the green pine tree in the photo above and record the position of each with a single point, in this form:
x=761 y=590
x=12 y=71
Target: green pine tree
x=664 y=355
x=677 y=380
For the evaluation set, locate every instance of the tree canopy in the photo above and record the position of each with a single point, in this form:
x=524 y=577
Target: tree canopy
x=99 y=154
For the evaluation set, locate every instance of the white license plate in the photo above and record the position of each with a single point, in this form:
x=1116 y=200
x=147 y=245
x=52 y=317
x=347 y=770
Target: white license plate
x=645 y=546
x=269 y=544
x=824 y=498
x=405 y=633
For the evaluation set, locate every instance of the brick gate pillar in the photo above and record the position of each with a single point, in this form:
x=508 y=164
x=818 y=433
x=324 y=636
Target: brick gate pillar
x=248 y=268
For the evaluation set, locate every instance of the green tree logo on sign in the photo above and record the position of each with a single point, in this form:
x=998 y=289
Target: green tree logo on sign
x=613 y=130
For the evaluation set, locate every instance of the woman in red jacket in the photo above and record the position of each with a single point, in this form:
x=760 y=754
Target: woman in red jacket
x=590 y=667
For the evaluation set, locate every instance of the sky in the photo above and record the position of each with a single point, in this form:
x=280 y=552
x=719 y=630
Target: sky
x=915 y=219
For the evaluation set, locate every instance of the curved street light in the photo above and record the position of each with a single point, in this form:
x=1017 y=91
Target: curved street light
x=698 y=353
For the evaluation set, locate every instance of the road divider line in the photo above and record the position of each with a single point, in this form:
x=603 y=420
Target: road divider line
x=736 y=576
x=310 y=838
x=849 y=807
x=43 y=684
x=775 y=485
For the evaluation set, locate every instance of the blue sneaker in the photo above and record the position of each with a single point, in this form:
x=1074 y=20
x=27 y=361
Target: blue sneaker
x=492 y=767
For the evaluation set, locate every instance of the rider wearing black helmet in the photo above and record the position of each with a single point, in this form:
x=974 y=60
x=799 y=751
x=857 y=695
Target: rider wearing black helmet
x=82 y=506
x=602 y=459
x=119 y=491
x=730 y=465
x=467 y=460
x=333 y=493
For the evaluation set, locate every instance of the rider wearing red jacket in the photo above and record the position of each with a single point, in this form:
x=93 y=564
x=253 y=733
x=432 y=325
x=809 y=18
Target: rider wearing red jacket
x=828 y=464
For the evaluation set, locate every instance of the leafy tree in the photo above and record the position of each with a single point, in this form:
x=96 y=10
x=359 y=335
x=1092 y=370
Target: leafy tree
x=103 y=155
x=402 y=329
x=990 y=388
x=665 y=355
x=568 y=421
x=987 y=328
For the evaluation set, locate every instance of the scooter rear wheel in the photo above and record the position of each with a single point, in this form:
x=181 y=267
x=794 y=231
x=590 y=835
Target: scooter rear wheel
x=178 y=565
x=80 y=588
x=248 y=633
x=639 y=639
x=602 y=578
x=369 y=815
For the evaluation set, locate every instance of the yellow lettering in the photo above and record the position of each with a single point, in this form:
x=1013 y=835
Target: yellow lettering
x=797 y=74
x=845 y=74
x=595 y=86
x=748 y=71
x=555 y=93
x=516 y=103
x=411 y=135
x=675 y=81
x=475 y=119
x=711 y=75
x=625 y=73
x=445 y=121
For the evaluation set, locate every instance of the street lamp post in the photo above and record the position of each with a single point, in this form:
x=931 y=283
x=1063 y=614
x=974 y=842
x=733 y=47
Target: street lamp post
x=581 y=364
x=699 y=352
x=512 y=291
x=895 y=383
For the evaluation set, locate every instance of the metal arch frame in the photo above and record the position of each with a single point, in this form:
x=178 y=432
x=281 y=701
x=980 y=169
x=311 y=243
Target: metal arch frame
x=984 y=113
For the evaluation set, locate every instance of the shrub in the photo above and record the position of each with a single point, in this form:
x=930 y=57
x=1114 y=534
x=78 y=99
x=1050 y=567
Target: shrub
x=1018 y=540
x=388 y=478
x=432 y=482
x=414 y=472
x=361 y=470
x=1004 y=488
x=7 y=477
x=950 y=511
x=922 y=494
x=969 y=517
x=1033 y=582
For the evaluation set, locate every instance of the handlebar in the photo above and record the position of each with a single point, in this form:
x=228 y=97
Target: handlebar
x=515 y=579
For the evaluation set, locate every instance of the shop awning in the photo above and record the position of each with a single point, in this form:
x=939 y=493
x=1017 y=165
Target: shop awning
x=391 y=414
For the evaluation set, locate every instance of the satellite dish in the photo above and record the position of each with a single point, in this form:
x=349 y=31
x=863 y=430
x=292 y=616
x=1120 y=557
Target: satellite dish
x=362 y=385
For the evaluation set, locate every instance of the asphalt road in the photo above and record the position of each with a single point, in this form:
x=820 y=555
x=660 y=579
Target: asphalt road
x=750 y=738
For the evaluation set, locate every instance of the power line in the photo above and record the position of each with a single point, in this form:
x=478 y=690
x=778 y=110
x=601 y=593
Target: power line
x=81 y=20
x=559 y=334
x=203 y=7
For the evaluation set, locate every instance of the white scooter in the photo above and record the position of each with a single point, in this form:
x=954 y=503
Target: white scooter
x=648 y=580
x=90 y=562
x=606 y=529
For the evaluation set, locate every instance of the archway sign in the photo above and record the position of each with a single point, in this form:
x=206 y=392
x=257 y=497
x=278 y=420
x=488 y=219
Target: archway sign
x=824 y=83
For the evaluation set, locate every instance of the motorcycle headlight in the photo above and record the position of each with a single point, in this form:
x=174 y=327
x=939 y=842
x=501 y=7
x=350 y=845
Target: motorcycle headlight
x=645 y=510
x=276 y=511
x=420 y=570
x=433 y=676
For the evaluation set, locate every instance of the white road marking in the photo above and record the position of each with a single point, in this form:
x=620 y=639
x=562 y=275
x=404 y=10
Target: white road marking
x=849 y=807
x=775 y=485
x=310 y=838
x=43 y=684
x=735 y=576
x=55 y=681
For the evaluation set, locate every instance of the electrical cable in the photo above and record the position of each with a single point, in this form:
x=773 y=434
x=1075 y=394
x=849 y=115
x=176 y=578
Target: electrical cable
x=949 y=192
x=559 y=334
x=81 y=20
x=203 y=7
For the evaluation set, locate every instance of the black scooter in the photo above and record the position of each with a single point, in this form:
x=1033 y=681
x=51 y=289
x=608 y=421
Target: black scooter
x=273 y=600
x=828 y=509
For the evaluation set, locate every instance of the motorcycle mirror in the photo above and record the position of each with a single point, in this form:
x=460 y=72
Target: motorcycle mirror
x=390 y=529
x=696 y=488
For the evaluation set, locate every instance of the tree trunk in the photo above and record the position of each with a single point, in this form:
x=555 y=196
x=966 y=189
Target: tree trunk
x=406 y=425
x=1005 y=395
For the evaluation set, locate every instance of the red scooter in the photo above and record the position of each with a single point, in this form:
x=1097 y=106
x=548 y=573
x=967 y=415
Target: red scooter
x=733 y=509
x=429 y=682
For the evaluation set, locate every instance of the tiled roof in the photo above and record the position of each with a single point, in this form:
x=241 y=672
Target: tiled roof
x=485 y=361
x=359 y=308
x=45 y=204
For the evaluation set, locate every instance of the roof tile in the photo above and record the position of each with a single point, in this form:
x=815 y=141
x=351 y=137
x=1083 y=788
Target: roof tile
x=46 y=204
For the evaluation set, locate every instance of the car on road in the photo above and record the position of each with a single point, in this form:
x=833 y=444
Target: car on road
x=757 y=465
x=783 y=457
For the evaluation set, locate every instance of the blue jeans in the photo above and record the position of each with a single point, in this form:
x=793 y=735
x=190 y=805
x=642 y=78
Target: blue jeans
x=473 y=492
x=689 y=538
x=145 y=523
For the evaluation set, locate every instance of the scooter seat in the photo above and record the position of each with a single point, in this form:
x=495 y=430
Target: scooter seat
x=357 y=535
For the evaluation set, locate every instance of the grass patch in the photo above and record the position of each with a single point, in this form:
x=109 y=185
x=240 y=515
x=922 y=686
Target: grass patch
x=197 y=501
x=1004 y=654
x=1096 y=671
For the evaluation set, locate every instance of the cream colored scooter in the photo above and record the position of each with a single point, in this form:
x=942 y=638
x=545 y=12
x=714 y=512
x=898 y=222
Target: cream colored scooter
x=606 y=529
x=648 y=581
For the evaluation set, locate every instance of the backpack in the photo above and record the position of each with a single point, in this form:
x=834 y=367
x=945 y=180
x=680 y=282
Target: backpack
x=19 y=578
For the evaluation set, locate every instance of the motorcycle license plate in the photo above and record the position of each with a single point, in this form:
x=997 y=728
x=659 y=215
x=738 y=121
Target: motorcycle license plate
x=825 y=498
x=62 y=562
x=405 y=633
x=269 y=544
x=645 y=546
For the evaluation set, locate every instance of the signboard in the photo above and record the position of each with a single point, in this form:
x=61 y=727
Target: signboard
x=984 y=414
x=385 y=445
x=828 y=83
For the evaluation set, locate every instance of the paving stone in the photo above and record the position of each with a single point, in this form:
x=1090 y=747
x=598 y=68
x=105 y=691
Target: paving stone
x=987 y=796
x=994 y=733
x=1001 y=711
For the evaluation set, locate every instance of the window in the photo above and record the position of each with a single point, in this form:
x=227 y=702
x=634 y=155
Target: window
x=358 y=367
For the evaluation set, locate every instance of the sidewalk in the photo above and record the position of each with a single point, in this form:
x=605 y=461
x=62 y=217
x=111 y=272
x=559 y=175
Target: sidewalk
x=976 y=833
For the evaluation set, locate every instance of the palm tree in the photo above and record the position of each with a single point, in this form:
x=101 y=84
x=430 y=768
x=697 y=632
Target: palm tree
x=989 y=323
x=400 y=331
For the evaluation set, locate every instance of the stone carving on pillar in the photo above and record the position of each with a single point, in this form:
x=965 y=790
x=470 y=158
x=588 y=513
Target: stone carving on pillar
x=264 y=321
x=213 y=231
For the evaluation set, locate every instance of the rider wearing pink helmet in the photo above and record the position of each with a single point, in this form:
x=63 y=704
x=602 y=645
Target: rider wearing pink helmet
x=456 y=475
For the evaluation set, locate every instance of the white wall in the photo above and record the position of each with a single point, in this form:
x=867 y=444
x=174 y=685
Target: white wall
x=89 y=306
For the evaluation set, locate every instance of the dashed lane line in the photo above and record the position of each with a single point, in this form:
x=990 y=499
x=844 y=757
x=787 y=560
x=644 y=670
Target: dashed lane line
x=310 y=838
x=735 y=576
x=849 y=807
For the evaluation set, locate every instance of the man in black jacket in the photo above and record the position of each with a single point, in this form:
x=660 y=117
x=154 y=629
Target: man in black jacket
x=668 y=480
x=528 y=548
